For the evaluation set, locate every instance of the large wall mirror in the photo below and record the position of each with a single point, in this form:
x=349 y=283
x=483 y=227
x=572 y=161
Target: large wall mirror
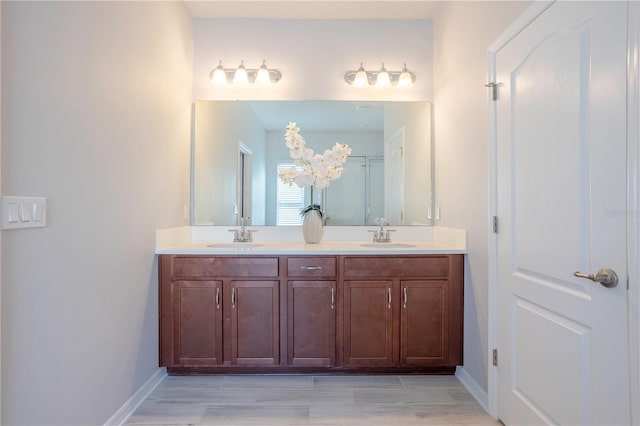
x=238 y=147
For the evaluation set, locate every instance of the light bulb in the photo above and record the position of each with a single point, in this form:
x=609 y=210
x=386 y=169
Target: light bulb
x=405 y=81
x=262 y=77
x=240 y=76
x=361 y=79
x=383 y=79
x=218 y=76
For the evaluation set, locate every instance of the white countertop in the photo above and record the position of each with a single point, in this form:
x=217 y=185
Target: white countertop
x=337 y=241
x=300 y=248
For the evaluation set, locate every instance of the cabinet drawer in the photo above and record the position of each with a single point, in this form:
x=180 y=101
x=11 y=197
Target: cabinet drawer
x=311 y=267
x=396 y=267
x=241 y=266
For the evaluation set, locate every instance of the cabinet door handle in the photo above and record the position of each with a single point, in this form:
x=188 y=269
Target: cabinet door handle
x=233 y=298
x=404 y=305
x=333 y=300
x=311 y=268
x=217 y=298
x=389 y=297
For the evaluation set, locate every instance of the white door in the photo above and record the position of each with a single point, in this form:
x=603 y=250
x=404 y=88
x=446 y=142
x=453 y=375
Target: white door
x=394 y=178
x=561 y=176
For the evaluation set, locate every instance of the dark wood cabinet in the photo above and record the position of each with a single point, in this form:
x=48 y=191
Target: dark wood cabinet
x=217 y=311
x=368 y=323
x=347 y=313
x=311 y=311
x=311 y=323
x=255 y=322
x=425 y=323
x=197 y=322
x=403 y=310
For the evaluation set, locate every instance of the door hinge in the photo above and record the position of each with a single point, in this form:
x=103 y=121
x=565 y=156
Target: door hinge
x=495 y=357
x=494 y=90
x=494 y=224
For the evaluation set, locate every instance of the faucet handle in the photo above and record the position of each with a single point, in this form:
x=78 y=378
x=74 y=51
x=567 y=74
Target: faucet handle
x=236 y=235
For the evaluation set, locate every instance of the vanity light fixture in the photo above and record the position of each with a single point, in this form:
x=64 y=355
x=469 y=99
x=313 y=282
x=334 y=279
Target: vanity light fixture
x=383 y=78
x=405 y=79
x=262 y=76
x=241 y=76
x=361 y=79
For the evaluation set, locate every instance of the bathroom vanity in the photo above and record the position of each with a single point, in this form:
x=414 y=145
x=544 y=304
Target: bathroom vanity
x=333 y=308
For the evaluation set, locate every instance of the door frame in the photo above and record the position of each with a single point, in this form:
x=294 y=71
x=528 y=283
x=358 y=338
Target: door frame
x=633 y=203
x=633 y=199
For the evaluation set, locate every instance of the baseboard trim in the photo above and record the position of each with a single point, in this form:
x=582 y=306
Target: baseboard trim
x=473 y=387
x=137 y=398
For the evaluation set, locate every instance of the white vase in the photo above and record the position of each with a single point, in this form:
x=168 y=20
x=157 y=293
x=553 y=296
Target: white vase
x=312 y=228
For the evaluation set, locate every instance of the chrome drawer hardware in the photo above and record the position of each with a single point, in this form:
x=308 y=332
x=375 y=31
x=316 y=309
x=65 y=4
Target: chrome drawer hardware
x=333 y=300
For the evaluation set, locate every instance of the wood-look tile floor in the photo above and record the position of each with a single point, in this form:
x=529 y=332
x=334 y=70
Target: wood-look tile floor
x=310 y=400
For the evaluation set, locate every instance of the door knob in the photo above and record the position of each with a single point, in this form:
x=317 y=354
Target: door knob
x=605 y=276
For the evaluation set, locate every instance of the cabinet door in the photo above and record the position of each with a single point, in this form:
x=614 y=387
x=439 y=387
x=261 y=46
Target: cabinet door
x=197 y=323
x=255 y=322
x=368 y=323
x=311 y=323
x=425 y=324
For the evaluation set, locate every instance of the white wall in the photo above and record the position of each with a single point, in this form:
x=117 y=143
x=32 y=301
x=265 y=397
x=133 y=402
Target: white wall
x=415 y=118
x=462 y=33
x=95 y=112
x=313 y=56
x=218 y=128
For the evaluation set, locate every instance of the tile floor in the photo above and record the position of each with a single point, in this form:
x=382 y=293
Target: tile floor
x=310 y=400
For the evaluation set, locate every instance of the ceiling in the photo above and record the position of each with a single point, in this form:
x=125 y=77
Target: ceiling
x=313 y=9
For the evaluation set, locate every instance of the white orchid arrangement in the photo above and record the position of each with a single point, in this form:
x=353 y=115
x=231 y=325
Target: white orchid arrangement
x=317 y=170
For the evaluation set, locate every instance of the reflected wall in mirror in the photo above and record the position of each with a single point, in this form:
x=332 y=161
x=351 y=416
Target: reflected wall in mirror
x=238 y=147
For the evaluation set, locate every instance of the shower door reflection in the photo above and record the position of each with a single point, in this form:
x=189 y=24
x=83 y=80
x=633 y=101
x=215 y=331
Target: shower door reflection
x=358 y=196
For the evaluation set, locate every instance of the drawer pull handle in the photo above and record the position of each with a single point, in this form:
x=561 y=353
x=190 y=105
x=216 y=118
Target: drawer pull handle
x=217 y=298
x=333 y=300
x=311 y=268
x=389 y=296
x=404 y=305
x=233 y=298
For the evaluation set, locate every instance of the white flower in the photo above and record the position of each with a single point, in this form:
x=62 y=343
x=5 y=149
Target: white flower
x=317 y=169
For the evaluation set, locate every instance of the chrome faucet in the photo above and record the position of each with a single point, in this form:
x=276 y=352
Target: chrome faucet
x=381 y=235
x=243 y=235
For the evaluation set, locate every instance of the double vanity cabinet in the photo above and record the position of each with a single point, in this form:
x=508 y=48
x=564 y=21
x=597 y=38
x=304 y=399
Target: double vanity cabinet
x=321 y=313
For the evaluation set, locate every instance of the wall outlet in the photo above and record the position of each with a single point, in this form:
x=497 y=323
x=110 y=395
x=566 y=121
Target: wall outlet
x=23 y=212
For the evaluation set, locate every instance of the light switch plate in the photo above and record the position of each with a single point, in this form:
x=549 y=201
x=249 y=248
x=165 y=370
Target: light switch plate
x=23 y=212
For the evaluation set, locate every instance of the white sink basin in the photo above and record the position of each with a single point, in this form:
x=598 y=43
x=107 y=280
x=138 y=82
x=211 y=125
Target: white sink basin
x=238 y=246
x=387 y=245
